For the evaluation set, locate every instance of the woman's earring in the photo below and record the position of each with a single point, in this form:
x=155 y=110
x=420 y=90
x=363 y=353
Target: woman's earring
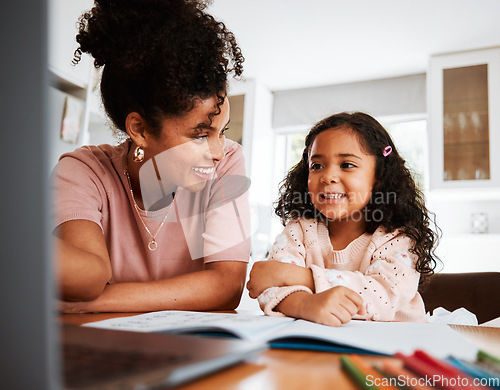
x=138 y=154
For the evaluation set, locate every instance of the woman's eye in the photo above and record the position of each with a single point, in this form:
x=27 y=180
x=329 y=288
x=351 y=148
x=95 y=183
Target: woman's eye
x=315 y=166
x=223 y=132
x=200 y=138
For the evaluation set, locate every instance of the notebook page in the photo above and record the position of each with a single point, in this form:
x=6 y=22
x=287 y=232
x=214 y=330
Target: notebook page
x=386 y=337
x=244 y=326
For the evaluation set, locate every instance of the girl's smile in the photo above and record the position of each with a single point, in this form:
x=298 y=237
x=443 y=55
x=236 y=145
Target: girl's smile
x=332 y=197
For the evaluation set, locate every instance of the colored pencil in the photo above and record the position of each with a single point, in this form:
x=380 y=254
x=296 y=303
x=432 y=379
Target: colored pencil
x=449 y=371
x=440 y=378
x=476 y=371
x=409 y=378
x=371 y=374
x=356 y=373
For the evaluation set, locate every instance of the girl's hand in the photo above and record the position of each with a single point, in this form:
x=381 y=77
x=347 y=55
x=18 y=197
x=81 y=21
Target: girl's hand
x=332 y=307
x=271 y=273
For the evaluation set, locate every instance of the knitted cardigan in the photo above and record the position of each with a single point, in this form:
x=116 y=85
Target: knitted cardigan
x=378 y=266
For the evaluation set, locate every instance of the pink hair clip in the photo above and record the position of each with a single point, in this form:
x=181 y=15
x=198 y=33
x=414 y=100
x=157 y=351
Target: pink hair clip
x=387 y=150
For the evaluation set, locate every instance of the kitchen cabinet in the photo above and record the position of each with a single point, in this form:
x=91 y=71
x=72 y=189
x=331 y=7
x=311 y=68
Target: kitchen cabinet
x=463 y=97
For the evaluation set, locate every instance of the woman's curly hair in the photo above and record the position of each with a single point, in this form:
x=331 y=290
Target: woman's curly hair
x=396 y=201
x=158 y=57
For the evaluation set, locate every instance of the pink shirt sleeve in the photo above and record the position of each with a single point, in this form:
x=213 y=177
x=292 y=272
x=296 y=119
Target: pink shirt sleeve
x=227 y=221
x=78 y=192
x=288 y=248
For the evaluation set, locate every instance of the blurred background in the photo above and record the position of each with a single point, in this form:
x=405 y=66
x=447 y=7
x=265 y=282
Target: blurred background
x=429 y=71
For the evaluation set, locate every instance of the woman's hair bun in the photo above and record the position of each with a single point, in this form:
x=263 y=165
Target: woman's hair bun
x=111 y=31
x=158 y=56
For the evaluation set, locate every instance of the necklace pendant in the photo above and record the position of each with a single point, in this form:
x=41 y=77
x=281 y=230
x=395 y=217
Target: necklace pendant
x=152 y=245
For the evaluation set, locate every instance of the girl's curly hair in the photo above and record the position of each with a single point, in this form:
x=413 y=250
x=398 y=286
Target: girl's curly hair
x=158 y=57
x=396 y=201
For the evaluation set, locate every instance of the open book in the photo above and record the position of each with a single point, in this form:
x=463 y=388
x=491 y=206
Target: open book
x=384 y=338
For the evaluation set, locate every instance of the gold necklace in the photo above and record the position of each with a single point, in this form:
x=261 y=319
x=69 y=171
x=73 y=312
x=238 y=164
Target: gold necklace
x=152 y=244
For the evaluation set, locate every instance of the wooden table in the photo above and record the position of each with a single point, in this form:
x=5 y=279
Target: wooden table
x=277 y=369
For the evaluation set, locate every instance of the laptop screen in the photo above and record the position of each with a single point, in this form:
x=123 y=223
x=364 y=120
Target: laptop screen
x=28 y=356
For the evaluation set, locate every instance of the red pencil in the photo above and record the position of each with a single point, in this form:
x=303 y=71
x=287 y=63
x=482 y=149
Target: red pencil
x=452 y=371
x=406 y=378
x=442 y=376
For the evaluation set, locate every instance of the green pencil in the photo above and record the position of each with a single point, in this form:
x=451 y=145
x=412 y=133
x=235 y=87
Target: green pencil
x=488 y=361
x=356 y=373
x=483 y=356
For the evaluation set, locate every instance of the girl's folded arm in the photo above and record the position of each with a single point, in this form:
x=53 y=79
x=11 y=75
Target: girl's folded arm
x=390 y=282
x=273 y=296
x=288 y=249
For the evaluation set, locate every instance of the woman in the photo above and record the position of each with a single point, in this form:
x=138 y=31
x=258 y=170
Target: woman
x=159 y=221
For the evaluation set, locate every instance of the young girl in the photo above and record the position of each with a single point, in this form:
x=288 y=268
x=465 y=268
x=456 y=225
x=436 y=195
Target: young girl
x=358 y=234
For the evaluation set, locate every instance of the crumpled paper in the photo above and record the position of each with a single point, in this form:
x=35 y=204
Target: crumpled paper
x=460 y=316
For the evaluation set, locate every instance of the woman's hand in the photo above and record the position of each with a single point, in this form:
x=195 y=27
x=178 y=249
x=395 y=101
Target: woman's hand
x=271 y=273
x=73 y=307
x=332 y=307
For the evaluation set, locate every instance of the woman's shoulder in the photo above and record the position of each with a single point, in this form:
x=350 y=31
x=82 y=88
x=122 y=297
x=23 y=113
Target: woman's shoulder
x=93 y=153
x=231 y=147
x=100 y=159
x=233 y=161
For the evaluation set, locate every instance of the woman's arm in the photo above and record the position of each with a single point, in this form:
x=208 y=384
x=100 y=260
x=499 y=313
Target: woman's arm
x=84 y=269
x=218 y=287
x=83 y=265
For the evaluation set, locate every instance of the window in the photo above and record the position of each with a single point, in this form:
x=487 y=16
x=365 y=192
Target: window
x=410 y=138
x=295 y=148
x=289 y=148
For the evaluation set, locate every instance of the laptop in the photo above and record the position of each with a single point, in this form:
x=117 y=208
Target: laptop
x=35 y=352
x=95 y=358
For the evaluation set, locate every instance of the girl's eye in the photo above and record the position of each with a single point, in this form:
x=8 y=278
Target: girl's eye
x=315 y=166
x=223 y=132
x=347 y=165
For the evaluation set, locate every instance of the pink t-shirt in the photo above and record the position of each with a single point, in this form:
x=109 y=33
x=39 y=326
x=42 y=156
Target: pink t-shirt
x=201 y=227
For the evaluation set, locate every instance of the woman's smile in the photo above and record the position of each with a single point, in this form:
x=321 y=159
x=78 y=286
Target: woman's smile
x=203 y=172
